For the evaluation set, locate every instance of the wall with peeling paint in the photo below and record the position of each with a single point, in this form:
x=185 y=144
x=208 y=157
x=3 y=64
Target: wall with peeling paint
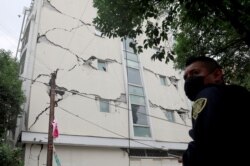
x=65 y=39
x=68 y=44
x=164 y=98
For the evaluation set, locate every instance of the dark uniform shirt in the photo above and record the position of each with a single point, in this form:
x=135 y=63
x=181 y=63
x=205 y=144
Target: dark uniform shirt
x=220 y=127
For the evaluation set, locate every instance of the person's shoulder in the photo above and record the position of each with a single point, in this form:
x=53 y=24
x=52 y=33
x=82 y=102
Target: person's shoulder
x=238 y=90
x=210 y=91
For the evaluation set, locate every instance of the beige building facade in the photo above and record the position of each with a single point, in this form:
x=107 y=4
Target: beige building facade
x=113 y=107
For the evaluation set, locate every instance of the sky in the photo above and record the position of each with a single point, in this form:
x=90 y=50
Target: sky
x=11 y=17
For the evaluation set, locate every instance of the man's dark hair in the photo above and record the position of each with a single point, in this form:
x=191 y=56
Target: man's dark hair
x=210 y=63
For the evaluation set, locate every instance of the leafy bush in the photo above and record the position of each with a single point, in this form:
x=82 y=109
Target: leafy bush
x=10 y=156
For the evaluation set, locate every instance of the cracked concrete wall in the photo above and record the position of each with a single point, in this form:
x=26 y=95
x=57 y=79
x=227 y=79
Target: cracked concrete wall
x=169 y=131
x=70 y=155
x=169 y=97
x=68 y=42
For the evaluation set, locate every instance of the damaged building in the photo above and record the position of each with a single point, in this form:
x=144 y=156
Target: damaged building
x=112 y=107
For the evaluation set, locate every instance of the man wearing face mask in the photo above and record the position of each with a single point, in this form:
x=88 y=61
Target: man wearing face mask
x=219 y=126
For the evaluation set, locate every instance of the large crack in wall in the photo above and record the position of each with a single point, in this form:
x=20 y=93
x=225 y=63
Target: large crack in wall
x=62 y=92
x=31 y=154
x=80 y=60
x=49 y=5
x=172 y=79
x=183 y=113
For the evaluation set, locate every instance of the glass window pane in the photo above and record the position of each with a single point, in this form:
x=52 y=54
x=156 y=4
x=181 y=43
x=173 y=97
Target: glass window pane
x=134 y=76
x=142 y=131
x=98 y=32
x=163 y=80
x=139 y=115
x=126 y=46
x=104 y=105
x=102 y=66
x=22 y=63
x=131 y=56
x=26 y=36
x=133 y=64
x=135 y=90
x=137 y=100
x=170 y=115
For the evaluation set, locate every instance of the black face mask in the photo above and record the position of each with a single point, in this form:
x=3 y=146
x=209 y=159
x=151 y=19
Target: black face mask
x=193 y=86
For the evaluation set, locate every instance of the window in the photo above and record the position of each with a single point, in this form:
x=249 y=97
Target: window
x=132 y=60
x=163 y=80
x=25 y=36
x=135 y=90
x=169 y=115
x=131 y=56
x=137 y=100
x=142 y=131
x=136 y=93
x=104 y=105
x=139 y=114
x=134 y=76
x=22 y=63
x=98 y=32
x=148 y=152
x=126 y=45
x=101 y=65
x=132 y=64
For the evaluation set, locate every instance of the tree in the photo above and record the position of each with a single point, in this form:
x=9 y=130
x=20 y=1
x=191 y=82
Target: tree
x=10 y=156
x=216 y=28
x=11 y=95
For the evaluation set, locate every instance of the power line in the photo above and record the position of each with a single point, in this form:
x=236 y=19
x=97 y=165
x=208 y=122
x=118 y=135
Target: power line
x=33 y=80
x=82 y=95
x=73 y=35
x=79 y=94
x=67 y=111
x=157 y=148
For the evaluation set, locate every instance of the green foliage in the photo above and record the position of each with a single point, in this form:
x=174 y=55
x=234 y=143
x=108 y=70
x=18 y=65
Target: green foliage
x=10 y=156
x=11 y=95
x=216 y=28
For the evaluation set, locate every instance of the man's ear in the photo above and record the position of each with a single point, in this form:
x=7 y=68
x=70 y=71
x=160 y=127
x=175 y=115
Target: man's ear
x=218 y=75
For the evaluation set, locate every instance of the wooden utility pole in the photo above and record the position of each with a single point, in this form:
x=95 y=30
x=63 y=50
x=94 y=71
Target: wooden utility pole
x=51 y=118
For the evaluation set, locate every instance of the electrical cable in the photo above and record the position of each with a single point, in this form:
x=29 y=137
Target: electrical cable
x=82 y=95
x=110 y=131
x=65 y=110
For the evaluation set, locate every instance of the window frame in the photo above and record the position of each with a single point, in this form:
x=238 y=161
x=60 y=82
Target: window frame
x=138 y=75
x=102 y=62
x=22 y=63
x=98 y=32
x=163 y=80
x=104 y=101
x=172 y=119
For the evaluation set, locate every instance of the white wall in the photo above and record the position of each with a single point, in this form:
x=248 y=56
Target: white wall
x=67 y=41
x=76 y=156
x=80 y=156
